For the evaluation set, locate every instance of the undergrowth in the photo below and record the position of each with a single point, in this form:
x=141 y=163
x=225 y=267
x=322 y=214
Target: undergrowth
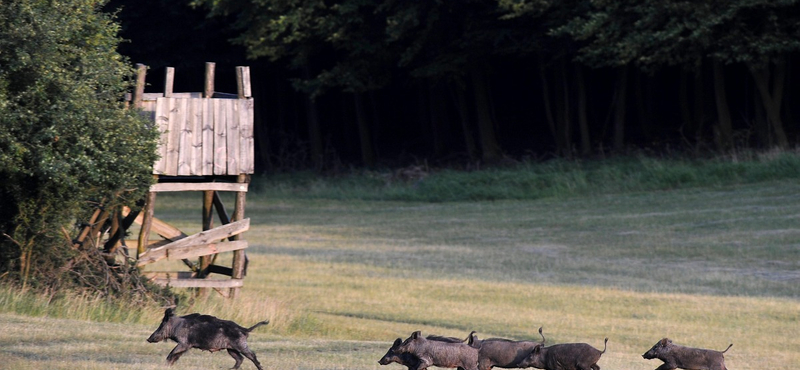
x=535 y=180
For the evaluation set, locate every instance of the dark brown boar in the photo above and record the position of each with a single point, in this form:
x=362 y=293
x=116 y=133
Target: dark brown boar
x=439 y=353
x=566 y=356
x=408 y=360
x=500 y=352
x=207 y=333
x=675 y=356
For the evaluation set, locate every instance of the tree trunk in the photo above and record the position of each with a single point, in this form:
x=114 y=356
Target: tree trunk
x=772 y=99
x=314 y=128
x=699 y=107
x=460 y=101
x=724 y=130
x=437 y=117
x=619 y=111
x=489 y=146
x=546 y=100
x=367 y=155
x=583 y=121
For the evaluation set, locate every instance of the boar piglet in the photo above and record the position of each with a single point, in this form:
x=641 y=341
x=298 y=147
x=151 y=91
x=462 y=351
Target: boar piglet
x=675 y=356
x=408 y=360
x=501 y=352
x=207 y=333
x=566 y=356
x=439 y=353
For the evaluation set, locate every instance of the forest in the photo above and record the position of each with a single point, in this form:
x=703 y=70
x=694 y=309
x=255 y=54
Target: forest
x=390 y=83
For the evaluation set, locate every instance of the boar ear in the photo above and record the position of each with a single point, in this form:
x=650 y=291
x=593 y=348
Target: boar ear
x=537 y=349
x=397 y=342
x=415 y=334
x=665 y=341
x=169 y=312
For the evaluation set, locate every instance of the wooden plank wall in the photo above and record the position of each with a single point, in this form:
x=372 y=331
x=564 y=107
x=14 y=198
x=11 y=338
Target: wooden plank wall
x=203 y=137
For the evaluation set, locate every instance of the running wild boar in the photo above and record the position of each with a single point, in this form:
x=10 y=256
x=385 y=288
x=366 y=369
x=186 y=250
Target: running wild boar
x=438 y=353
x=501 y=352
x=675 y=356
x=408 y=360
x=566 y=356
x=207 y=333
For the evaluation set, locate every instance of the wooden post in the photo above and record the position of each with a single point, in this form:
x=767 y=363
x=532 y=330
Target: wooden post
x=208 y=224
x=169 y=81
x=138 y=93
x=208 y=92
x=239 y=257
x=243 y=82
x=147 y=221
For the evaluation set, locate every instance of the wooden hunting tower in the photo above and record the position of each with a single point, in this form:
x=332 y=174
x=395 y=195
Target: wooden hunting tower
x=206 y=146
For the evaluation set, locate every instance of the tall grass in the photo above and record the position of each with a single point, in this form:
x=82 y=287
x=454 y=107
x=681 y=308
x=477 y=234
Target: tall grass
x=536 y=180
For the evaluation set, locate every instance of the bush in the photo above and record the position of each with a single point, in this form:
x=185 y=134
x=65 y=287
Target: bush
x=66 y=139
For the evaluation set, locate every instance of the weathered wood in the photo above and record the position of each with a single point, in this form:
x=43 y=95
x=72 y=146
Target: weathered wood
x=220 y=138
x=200 y=283
x=208 y=139
x=246 y=136
x=147 y=222
x=193 y=251
x=232 y=121
x=239 y=257
x=243 y=82
x=177 y=107
x=201 y=238
x=138 y=92
x=162 y=122
x=208 y=92
x=161 y=228
x=185 y=150
x=196 y=123
x=198 y=186
x=169 y=81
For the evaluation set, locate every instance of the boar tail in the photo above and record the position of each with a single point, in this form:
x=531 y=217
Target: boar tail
x=265 y=322
x=729 y=347
x=540 y=333
x=605 y=345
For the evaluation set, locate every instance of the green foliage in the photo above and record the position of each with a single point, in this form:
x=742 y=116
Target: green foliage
x=656 y=33
x=552 y=179
x=66 y=139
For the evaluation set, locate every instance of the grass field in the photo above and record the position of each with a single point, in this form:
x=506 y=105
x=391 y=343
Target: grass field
x=341 y=279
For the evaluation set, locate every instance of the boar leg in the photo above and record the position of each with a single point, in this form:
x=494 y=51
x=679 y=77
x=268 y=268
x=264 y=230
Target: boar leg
x=667 y=366
x=236 y=356
x=176 y=353
x=251 y=356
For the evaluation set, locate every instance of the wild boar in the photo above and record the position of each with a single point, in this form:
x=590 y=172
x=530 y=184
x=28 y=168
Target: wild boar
x=675 y=356
x=207 y=333
x=408 y=360
x=501 y=352
x=438 y=353
x=566 y=356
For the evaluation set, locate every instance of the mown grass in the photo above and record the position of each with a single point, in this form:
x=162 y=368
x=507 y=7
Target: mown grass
x=340 y=276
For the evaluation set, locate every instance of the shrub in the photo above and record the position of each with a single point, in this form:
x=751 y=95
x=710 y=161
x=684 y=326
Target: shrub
x=66 y=139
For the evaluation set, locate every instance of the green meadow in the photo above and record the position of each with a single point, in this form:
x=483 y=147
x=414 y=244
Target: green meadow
x=706 y=254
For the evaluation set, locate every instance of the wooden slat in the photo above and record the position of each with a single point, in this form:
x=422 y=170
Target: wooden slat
x=173 y=141
x=162 y=122
x=186 y=137
x=192 y=251
x=220 y=138
x=162 y=228
x=208 y=139
x=246 y=148
x=196 y=124
x=198 y=186
x=232 y=121
x=200 y=283
x=201 y=238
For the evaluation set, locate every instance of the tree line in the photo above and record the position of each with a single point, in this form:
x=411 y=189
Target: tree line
x=389 y=81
